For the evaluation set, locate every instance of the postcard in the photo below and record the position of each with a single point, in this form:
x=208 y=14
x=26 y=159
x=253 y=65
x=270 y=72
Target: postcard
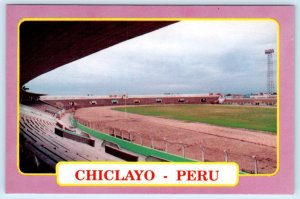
x=150 y=99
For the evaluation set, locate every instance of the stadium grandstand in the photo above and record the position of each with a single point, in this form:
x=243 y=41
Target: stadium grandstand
x=49 y=132
x=43 y=140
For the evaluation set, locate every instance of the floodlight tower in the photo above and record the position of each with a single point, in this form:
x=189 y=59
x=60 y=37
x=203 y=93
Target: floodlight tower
x=270 y=73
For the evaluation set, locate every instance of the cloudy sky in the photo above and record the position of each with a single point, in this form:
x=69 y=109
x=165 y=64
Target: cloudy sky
x=187 y=57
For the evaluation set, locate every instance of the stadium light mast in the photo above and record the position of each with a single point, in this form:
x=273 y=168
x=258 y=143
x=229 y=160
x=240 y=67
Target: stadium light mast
x=270 y=71
x=125 y=96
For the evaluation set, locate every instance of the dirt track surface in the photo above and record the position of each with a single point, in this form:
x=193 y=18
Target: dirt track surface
x=240 y=144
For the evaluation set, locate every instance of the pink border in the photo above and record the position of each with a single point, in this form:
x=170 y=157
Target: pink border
x=283 y=182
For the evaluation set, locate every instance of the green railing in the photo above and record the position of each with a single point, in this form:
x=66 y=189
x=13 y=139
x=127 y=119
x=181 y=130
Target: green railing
x=139 y=149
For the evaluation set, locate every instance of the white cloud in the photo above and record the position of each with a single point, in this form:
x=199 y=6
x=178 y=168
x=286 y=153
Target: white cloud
x=186 y=57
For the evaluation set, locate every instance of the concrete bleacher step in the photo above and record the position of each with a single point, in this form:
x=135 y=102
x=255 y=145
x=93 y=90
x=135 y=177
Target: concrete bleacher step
x=62 y=146
x=46 y=140
x=50 y=162
x=37 y=136
x=53 y=152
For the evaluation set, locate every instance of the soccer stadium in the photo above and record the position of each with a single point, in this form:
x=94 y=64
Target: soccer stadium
x=168 y=127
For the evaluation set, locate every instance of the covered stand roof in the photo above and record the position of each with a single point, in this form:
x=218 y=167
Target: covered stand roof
x=46 y=45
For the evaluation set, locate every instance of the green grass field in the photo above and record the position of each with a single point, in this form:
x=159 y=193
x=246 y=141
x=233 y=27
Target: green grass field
x=255 y=118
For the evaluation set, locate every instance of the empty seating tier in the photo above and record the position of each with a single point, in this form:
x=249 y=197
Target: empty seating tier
x=40 y=147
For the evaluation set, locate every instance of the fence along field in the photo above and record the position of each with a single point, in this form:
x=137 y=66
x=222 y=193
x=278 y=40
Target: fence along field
x=253 y=118
x=252 y=157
